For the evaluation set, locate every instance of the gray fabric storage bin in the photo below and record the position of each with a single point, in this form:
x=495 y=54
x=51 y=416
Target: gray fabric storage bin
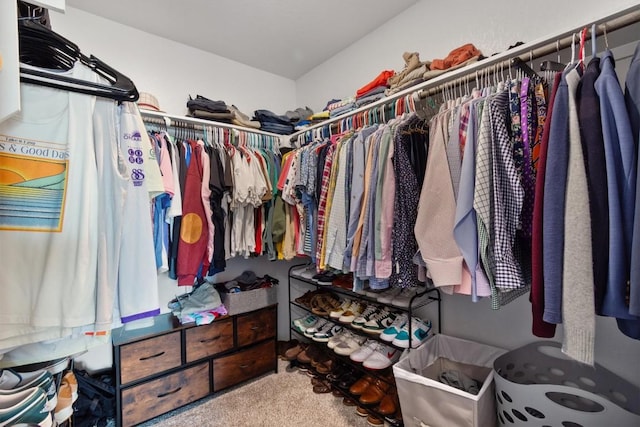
x=242 y=302
x=425 y=401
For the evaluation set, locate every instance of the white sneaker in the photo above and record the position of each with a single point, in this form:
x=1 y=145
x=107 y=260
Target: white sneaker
x=387 y=296
x=309 y=332
x=328 y=331
x=305 y=322
x=364 y=351
x=349 y=344
x=378 y=323
x=335 y=314
x=355 y=309
x=393 y=329
x=420 y=330
x=367 y=314
x=403 y=299
x=338 y=338
x=373 y=293
x=306 y=271
x=383 y=357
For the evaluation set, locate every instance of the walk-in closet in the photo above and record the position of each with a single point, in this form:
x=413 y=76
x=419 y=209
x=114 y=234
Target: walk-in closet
x=283 y=213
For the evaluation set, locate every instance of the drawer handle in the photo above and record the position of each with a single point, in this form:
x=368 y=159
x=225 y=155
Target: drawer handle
x=243 y=366
x=209 y=340
x=152 y=356
x=169 y=392
x=255 y=328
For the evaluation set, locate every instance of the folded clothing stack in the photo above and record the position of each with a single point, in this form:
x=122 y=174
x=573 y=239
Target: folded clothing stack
x=271 y=122
x=457 y=58
x=219 y=111
x=204 y=108
x=410 y=75
x=299 y=114
x=247 y=281
x=202 y=305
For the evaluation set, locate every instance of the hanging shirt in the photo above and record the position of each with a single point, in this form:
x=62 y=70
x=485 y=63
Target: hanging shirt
x=632 y=99
x=540 y=328
x=621 y=159
x=194 y=232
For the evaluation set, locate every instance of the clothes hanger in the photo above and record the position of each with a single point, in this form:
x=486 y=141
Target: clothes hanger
x=42 y=47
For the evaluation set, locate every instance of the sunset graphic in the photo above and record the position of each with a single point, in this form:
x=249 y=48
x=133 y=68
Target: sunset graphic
x=32 y=193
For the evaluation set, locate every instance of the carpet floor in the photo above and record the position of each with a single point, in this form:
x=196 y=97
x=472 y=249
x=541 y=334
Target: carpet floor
x=285 y=399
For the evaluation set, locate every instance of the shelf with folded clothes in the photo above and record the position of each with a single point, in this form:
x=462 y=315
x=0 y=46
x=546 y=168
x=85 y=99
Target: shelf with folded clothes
x=373 y=392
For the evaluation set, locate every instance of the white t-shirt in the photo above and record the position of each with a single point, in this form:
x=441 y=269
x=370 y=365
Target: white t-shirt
x=48 y=214
x=137 y=275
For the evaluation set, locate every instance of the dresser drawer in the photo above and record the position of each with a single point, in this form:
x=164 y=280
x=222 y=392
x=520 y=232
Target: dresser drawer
x=256 y=326
x=233 y=369
x=148 y=357
x=156 y=397
x=207 y=340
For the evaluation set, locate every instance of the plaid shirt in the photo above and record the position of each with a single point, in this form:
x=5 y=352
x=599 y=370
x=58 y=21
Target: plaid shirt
x=322 y=204
x=508 y=197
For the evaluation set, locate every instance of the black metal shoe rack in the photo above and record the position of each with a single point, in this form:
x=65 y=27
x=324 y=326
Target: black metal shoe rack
x=421 y=299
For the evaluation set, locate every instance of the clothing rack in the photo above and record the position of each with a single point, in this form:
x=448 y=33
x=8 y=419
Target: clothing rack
x=495 y=64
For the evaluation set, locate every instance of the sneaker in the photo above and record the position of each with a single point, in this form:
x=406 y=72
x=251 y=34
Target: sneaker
x=64 y=408
x=393 y=329
x=309 y=332
x=388 y=295
x=330 y=330
x=71 y=379
x=419 y=333
x=373 y=293
x=27 y=406
x=305 y=322
x=306 y=271
x=338 y=338
x=335 y=314
x=12 y=382
x=379 y=322
x=403 y=299
x=383 y=357
x=349 y=344
x=367 y=314
x=352 y=312
x=364 y=351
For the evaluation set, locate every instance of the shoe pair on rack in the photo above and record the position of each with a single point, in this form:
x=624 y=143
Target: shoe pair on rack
x=31 y=397
x=375 y=355
x=398 y=297
x=398 y=332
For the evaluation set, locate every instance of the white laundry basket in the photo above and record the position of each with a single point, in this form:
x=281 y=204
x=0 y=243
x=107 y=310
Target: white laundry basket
x=538 y=386
x=426 y=402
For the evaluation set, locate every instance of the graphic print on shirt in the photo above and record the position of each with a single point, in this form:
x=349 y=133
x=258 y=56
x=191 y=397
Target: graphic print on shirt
x=33 y=183
x=135 y=157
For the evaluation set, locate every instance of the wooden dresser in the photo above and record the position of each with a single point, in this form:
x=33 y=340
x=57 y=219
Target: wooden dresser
x=169 y=365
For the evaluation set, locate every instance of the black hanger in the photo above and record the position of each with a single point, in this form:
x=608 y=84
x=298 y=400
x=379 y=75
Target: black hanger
x=524 y=67
x=552 y=66
x=43 y=48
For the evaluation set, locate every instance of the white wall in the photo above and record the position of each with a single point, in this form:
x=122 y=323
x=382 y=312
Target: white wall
x=434 y=28
x=173 y=71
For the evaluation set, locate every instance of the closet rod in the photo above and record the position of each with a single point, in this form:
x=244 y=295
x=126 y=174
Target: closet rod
x=209 y=123
x=174 y=123
x=542 y=47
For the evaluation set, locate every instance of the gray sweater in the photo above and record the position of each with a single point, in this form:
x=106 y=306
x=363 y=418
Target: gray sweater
x=577 y=273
